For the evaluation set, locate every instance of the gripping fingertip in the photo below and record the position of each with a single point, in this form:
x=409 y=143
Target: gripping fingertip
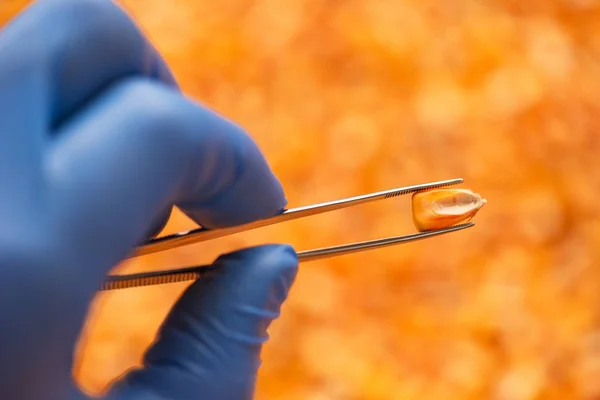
x=256 y=194
x=266 y=265
x=265 y=254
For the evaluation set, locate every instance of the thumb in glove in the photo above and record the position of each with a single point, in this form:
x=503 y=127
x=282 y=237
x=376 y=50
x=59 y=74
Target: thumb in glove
x=209 y=346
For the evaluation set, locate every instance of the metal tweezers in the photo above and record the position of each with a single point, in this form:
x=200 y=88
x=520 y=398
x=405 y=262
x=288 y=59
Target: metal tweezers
x=202 y=234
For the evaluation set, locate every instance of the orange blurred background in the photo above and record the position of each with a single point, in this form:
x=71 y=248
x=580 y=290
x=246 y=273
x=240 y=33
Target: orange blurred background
x=352 y=96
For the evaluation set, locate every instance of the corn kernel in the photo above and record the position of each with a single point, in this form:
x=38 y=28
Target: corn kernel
x=442 y=208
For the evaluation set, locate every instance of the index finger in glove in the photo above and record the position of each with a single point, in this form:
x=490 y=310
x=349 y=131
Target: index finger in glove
x=141 y=147
x=210 y=343
x=74 y=50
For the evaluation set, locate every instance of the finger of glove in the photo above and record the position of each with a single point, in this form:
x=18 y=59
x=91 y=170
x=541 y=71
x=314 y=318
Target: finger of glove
x=78 y=48
x=82 y=47
x=211 y=341
x=23 y=115
x=142 y=147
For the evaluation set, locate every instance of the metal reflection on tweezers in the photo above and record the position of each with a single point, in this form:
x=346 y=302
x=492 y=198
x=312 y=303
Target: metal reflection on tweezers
x=202 y=234
x=191 y=273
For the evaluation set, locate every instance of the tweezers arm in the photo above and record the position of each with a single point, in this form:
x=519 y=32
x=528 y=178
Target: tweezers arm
x=203 y=234
x=327 y=252
x=114 y=282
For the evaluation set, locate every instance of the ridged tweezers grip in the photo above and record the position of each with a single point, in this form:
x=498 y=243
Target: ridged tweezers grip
x=115 y=282
x=192 y=273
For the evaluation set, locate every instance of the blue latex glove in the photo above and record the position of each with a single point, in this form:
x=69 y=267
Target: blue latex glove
x=96 y=145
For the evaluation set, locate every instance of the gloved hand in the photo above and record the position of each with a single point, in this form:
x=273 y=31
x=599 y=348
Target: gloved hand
x=96 y=145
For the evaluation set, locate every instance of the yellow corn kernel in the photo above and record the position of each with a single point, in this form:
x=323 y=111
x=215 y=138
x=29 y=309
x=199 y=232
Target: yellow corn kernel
x=442 y=208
